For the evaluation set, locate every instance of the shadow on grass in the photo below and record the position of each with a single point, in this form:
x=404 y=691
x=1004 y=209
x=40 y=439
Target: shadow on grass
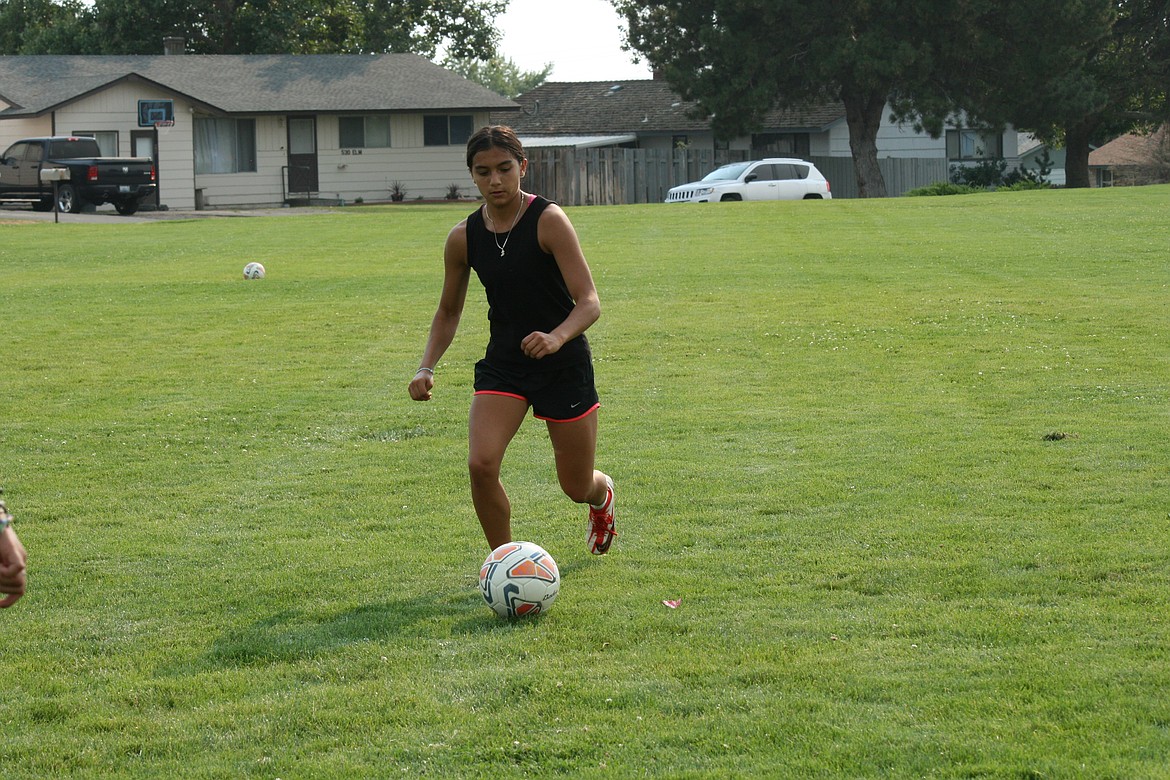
x=296 y=635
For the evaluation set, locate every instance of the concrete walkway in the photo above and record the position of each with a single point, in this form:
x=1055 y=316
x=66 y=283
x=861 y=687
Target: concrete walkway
x=106 y=214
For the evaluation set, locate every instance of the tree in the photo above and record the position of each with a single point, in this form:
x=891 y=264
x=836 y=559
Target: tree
x=39 y=26
x=499 y=74
x=1128 y=73
x=737 y=59
x=1080 y=72
x=464 y=28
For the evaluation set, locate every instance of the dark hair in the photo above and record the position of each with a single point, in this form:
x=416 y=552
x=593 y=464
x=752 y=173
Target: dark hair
x=495 y=136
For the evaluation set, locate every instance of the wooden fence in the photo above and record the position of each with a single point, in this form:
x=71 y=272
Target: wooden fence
x=901 y=174
x=608 y=177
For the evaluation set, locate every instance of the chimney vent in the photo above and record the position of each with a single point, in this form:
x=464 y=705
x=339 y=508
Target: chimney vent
x=174 y=44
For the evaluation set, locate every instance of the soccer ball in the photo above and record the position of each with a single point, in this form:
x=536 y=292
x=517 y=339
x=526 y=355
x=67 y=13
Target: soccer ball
x=519 y=579
x=253 y=271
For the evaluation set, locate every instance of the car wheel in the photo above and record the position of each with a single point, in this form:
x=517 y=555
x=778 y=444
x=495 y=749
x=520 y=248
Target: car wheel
x=731 y=196
x=811 y=196
x=67 y=200
x=126 y=208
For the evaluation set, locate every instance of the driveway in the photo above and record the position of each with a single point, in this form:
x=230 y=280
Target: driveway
x=106 y=214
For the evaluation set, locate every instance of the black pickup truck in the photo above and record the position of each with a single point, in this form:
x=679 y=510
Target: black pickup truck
x=88 y=178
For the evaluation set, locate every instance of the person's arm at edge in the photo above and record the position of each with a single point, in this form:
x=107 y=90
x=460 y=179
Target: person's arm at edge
x=12 y=567
x=456 y=274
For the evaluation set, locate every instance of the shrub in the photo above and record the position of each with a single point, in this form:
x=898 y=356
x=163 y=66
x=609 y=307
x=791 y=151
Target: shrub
x=992 y=173
x=984 y=174
x=1027 y=184
x=944 y=188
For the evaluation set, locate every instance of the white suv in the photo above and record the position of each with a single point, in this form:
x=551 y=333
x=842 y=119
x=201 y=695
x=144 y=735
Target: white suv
x=776 y=178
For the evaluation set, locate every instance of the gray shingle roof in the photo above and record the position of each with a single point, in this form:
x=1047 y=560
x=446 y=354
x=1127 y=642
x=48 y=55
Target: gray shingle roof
x=639 y=106
x=251 y=84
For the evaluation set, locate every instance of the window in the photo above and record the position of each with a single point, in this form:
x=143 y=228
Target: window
x=973 y=145
x=364 y=132
x=446 y=130
x=781 y=144
x=765 y=172
x=225 y=145
x=107 y=140
x=779 y=172
x=16 y=152
x=791 y=171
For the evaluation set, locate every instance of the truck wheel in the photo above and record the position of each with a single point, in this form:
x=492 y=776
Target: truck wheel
x=126 y=207
x=67 y=200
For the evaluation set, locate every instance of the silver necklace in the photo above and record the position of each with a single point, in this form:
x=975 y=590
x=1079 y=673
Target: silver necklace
x=495 y=236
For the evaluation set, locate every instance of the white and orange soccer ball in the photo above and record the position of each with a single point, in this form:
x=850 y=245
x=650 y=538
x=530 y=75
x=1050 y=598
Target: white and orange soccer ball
x=519 y=579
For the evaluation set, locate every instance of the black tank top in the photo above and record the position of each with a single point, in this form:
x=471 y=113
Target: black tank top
x=525 y=291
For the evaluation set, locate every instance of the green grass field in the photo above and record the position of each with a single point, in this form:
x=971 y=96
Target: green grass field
x=903 y=462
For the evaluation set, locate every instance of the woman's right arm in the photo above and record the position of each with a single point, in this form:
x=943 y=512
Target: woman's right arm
x=456 y=274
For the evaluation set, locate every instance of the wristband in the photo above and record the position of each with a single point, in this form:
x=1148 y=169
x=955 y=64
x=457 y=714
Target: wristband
x=430 y=371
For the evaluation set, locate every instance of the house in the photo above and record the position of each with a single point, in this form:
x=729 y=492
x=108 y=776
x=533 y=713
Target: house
x=255 y=130
x=649 y=114
x=1132 y=160
x=1035 y=155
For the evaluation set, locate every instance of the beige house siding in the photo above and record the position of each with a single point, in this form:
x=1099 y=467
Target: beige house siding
x=13 y=130
x=425 y=171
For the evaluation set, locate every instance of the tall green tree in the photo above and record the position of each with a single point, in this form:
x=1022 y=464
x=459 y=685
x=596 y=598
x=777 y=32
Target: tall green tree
x=1125 y=75
x=1072 y=72
x=40 y=26
x=499 y=74
x=464 y=28
x=740 y=58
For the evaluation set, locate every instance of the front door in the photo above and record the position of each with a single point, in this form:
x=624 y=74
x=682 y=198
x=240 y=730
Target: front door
x=144 y=143
x=302 y=155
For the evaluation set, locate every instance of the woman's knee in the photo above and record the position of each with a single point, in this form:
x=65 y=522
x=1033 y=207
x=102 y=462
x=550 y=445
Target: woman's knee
x=578 y=489
x=483 y=469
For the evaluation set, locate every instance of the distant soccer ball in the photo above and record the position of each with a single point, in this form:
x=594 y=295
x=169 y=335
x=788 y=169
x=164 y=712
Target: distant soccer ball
x=253 y=271
x=519 y=579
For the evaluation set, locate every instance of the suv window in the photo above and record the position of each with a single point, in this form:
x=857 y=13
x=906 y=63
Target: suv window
x=791 y=171
x=762 y=172
x=726 y=173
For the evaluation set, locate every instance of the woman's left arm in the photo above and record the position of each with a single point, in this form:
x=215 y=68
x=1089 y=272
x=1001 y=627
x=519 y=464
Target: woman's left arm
x=557 y=237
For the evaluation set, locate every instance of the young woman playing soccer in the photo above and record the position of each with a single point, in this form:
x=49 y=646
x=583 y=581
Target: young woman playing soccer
x=541 y=299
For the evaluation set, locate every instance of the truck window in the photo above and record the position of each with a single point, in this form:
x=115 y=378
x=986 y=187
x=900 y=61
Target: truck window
x=107 y=140
x=15 y=152
x=74 y=147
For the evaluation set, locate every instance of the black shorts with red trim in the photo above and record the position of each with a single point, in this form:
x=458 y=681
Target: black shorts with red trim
x=561 y=395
